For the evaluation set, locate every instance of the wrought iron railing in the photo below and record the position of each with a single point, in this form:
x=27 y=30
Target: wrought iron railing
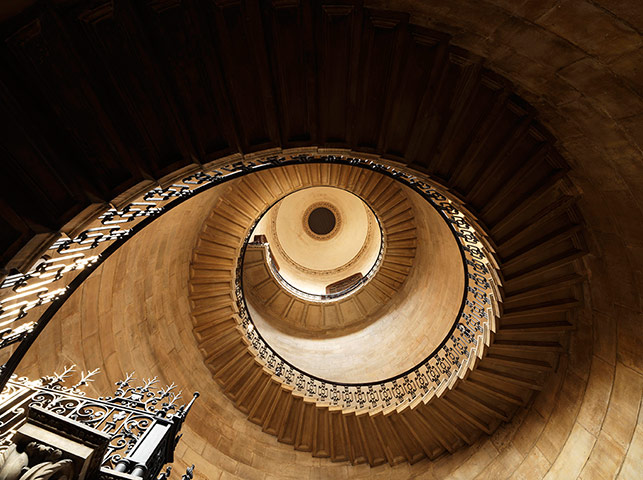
x=132 y=417
x=441 y=368
x=29 y=300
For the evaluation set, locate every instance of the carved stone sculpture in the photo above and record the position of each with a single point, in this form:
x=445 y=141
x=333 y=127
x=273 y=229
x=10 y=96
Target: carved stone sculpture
x=61 y=470
x=14 y=465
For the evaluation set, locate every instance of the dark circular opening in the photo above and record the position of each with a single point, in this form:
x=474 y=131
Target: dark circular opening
x=321 y=221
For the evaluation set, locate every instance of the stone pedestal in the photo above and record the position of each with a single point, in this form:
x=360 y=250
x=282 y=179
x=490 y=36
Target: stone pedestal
x=49 y=438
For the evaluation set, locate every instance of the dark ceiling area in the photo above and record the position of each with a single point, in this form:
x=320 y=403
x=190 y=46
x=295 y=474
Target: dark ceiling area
x=97 y=97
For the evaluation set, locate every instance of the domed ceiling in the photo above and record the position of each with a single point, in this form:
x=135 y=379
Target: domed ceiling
x=103 y=101
x=320 y=236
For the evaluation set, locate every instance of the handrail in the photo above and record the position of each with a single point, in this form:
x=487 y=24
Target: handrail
x=441 y=368
x=28 y=301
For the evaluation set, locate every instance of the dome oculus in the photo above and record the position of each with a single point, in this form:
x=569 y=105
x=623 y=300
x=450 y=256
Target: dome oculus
x=321 y=221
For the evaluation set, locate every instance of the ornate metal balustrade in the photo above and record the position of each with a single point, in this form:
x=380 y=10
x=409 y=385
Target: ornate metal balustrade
x=28 y=301
x=441 y=368
x=142 y=421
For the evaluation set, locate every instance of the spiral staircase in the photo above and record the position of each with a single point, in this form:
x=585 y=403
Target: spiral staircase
x=226 y=229
x=324 y=78
x=537 y=244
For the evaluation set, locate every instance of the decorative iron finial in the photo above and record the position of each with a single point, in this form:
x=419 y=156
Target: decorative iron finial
x=59 y=378
x=165 y=475
x=86 y=378
x=185 y=409
x=189 y=473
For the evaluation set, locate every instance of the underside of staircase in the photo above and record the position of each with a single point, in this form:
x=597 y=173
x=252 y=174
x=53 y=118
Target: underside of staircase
x=536 y=242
